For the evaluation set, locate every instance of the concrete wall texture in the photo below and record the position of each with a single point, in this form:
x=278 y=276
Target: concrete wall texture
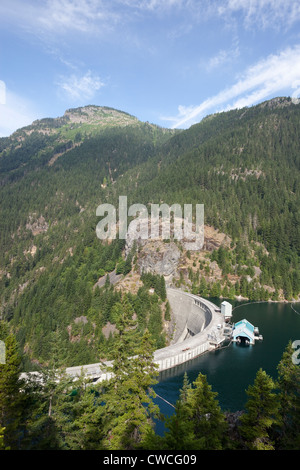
x=189 y=318
x=198 y=328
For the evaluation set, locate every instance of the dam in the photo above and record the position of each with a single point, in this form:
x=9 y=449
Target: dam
x=198 y=327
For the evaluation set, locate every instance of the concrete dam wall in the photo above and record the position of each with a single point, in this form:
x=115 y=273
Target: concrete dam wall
x=190 y=317
x=199 y=327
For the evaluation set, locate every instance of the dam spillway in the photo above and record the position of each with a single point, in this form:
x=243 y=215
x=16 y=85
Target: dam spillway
x=199 y=327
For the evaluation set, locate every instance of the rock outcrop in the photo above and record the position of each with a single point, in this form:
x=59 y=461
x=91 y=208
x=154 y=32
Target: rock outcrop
x=159 y=258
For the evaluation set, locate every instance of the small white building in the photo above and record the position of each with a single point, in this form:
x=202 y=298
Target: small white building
x=226 y=310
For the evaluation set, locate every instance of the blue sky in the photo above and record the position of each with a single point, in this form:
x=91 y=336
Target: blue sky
x=169 y=62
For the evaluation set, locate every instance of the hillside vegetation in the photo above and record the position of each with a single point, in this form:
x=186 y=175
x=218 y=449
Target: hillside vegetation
x=243 y=165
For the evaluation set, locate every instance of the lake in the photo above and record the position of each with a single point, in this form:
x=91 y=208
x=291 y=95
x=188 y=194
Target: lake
x=232 y=369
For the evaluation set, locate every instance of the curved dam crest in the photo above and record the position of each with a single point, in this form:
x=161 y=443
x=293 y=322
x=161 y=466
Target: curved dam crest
x=199 y=327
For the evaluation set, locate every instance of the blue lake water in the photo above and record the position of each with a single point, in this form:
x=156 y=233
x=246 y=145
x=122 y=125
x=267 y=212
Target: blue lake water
x=232 y=369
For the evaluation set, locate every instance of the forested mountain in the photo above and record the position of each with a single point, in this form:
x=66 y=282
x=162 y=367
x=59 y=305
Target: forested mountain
x=243 y=165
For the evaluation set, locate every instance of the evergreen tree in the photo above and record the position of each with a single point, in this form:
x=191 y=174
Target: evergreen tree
x=128 y=404
x=168 y=311
x=184 y=390
x=261 y=413
x=2 y=446
x=208 y=420
x=45 y=427
x=12 y=400
x=180 y=433
x=87 y=427
x=289 y=400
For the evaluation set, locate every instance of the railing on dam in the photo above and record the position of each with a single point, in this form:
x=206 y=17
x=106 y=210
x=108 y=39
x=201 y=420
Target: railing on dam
x=182 y=351
x=185 y=355
x=210 y=335
x=208 y=328
x=204 y=307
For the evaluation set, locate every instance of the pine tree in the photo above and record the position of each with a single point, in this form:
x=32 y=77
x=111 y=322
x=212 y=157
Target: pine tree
x=11 y=397
x=86 y=428
x=128 y=408
x=289 y=399
x=2 y=447
x=261 y=413
x=185 y=387
x=180 y=433
x=206 y=415
x=45 y=427
x=168 y=311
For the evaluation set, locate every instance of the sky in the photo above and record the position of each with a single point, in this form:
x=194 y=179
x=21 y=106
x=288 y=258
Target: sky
x=168 y=62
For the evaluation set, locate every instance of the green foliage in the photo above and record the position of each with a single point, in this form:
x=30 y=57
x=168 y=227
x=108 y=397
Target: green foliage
x=52 y=411
x=198 y=422
x=12 y=401
x=156 y=282
x=289 y=401
x=1 y=438
x=262 y=413
x=127 y=402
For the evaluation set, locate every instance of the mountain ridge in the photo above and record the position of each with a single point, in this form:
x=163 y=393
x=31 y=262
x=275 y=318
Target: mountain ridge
x=243 y=165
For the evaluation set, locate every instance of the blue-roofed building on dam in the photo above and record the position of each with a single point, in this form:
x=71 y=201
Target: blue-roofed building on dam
x=244 y=332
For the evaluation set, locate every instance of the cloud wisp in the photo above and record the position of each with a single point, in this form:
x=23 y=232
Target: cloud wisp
x=263 y=14
x=271 y=76
x=80 y=88
x=15 y=112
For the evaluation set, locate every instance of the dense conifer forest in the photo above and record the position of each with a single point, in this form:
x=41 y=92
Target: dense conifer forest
x=52 y=412
x=243 y=165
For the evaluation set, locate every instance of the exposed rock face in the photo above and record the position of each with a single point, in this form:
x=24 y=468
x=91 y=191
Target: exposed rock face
x=167 y=258
x=37 y=225
x=101 y=115
x=159 y=258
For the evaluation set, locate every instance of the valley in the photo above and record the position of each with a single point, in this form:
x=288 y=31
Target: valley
x=56 y=172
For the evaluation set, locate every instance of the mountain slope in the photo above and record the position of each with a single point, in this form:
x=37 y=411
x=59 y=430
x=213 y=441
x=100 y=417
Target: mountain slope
x=53 y=175
x=243 y=165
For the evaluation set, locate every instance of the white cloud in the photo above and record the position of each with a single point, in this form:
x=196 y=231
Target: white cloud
x=15 y=113
x=59 y=16
x=268 y=78
x=154 y=5
x=2 y=92
x=90 y=16
x=80 y=15
x=80 y=88
x=263 y=13
x=224 y=56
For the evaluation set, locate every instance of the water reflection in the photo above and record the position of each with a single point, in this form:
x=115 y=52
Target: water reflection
x=231 y=370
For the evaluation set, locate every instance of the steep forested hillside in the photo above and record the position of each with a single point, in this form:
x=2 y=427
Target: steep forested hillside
x=53 y=175
x=243 y=165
